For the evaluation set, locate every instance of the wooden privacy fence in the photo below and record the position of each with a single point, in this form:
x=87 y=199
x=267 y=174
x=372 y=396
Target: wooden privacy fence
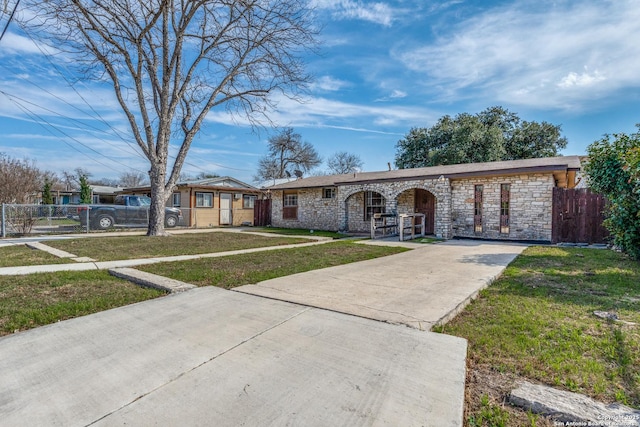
x=262 y=213
x=577 y=216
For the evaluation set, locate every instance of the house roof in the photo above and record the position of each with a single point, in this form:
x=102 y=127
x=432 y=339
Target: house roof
x=219 y=181
x=464 y=170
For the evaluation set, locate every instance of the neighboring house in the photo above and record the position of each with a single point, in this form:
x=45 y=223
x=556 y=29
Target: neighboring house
x=496 y=200
x=100 y=194
x=211 y=202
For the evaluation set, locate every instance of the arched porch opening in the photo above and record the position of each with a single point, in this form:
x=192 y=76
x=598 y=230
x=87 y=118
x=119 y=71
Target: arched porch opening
x=418 y=200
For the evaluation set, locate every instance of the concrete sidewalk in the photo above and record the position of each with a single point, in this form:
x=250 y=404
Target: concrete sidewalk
x=419 y=288
x=213 y=357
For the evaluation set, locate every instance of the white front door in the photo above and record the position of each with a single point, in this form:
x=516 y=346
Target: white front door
x=225 y=209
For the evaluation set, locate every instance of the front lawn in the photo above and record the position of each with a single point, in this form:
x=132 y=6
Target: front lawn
x=132 y=247
x=17 y=255
x=237 y=270
x=39 y=299
x=537 y=323
x=300 y=232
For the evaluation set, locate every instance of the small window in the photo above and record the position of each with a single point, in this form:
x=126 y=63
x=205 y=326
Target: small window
x=373 y=203
x=477 y=209
x=329 y=193
x=248 y=201
x=176 y=200
x=505 y=190
x=290 y=206
x=204 y=200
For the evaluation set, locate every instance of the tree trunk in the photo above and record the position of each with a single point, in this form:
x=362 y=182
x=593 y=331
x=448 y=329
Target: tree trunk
x=158 y=201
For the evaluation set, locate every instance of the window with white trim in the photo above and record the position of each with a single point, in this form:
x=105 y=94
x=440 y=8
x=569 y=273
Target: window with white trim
x=290 y=205
x=248 y=201
x=204 y=200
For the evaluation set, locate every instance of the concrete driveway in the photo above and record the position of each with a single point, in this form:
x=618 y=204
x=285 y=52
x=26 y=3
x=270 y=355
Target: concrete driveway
x=419 y=288
x=210 y=357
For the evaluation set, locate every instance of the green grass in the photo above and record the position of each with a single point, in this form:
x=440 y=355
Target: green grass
x=537 y=321
x=301 y=232
x=39 y=299
x=237 y=270
x=132 y=247
x=13 y=256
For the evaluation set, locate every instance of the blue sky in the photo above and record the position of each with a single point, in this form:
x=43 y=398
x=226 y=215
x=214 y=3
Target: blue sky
x=384 y=67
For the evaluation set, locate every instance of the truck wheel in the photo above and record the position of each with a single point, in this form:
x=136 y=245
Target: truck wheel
x=171 y=221
x=104 y=221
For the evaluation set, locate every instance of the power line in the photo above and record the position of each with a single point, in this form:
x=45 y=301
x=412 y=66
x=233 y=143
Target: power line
x=10 y=18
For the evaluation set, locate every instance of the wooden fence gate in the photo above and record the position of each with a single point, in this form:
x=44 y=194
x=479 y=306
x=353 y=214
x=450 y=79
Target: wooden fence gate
x=578 y=216
x=262 y=213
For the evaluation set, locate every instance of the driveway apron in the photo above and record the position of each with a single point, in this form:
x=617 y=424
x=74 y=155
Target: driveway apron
x=419 y=288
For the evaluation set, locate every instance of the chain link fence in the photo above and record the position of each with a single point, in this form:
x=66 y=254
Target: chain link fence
x=21 y=220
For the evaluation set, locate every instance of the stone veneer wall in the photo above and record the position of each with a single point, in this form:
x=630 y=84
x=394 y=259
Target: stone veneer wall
x=530 y=212
x=314 y=212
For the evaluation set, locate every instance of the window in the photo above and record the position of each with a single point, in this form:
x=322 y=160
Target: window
x=373 y=203
x=505 y=190
x=290 y=205
x=248 y=201
x=477 y=209
x=204 y=200
x=175 y=202
x=329 y=193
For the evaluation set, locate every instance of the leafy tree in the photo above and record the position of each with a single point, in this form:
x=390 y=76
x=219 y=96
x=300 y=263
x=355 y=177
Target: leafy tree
x=343 y=162
x=20 y=180
x=288 y=156
x=612 y=169
x=47 y=197
x=85 y=190
x=491 y=135
x=171 y=62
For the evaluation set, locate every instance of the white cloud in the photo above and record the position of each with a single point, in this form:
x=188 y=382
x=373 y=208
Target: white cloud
x=516 y=54
x=328 y=84
x=378 y=12
x=585 y=79
x=321 y=112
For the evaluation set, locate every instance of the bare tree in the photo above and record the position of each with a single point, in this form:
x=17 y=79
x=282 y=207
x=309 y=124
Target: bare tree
x=343 y=162
x=132 y=179
x=288 y=156
x=20 y=180
x=171 y=62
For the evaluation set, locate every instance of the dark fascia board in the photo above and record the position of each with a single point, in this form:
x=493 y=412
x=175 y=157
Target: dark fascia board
x=460 y=175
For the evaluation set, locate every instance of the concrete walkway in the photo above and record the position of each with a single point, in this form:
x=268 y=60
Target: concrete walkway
x=419 y=288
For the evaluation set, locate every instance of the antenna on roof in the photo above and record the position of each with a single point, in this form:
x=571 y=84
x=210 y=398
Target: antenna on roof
x=288 y=174
x=298 y=173
x=389 y=165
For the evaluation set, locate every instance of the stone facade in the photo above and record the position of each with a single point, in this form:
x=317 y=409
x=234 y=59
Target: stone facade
x=529 y=214
x=530 y=210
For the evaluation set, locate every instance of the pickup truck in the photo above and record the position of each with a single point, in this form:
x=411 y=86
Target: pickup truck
x=131 y=211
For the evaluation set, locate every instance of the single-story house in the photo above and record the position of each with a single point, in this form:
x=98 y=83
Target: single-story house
x=211 y=202
x=494 y=200
x=100 y=194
